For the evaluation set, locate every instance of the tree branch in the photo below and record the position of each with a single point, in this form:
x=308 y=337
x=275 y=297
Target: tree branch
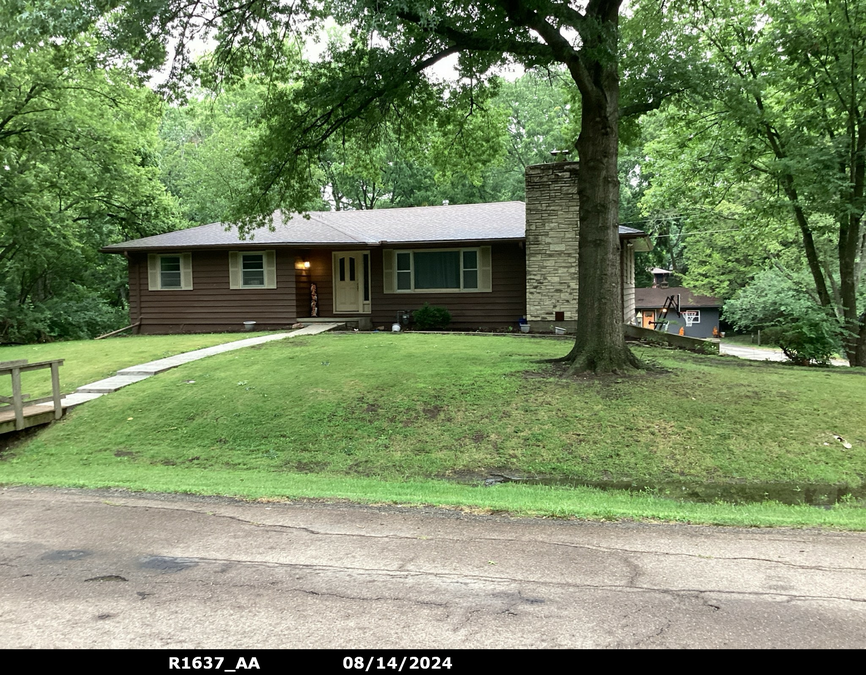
x=476 y=41
x=559 y=46
x=648 y=106
x=328 y=124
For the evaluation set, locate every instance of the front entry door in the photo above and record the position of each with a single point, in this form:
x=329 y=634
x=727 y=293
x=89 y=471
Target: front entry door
x=351 y=288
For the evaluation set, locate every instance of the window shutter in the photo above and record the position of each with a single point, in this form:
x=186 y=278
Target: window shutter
x=152 y=272
x=186 y=271
x=485 y=271
x=270 y=258
x=388 y=264
x=234 y=269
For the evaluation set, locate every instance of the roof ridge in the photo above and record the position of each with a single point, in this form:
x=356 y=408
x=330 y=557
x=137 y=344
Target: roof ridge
x=422 y=206
x=353 y=235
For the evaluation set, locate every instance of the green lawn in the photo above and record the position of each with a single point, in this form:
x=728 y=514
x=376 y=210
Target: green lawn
x=89 y=360
x=384 y=417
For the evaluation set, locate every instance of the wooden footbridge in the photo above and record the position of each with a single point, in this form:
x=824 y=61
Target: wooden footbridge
x=18 y=412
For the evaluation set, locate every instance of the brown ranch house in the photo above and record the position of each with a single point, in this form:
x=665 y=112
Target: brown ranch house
x=488 y=264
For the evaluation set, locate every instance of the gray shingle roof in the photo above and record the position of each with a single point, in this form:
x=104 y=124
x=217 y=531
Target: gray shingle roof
x=654 y=298
x=630 y=232
x=458 y=222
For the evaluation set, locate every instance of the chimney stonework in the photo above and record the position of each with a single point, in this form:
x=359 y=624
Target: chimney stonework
x=551 y=241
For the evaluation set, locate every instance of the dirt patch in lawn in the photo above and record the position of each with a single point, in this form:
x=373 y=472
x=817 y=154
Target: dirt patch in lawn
x=559 y=370
x=814 y=494
x=432 y=412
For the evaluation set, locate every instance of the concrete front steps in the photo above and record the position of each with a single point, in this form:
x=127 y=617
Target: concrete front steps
x=345 y=322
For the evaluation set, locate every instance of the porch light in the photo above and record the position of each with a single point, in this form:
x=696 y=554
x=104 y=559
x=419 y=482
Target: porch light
x=306 y=264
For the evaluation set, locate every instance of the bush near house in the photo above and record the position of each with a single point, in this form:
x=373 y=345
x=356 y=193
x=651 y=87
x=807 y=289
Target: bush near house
x=432 y=318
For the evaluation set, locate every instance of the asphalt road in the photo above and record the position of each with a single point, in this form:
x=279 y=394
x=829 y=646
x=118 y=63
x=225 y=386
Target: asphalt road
x=112 y=569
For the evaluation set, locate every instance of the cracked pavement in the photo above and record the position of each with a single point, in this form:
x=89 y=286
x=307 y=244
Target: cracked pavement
x=115 y=569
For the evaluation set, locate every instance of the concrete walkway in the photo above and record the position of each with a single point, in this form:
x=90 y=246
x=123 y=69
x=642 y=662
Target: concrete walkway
x=133 y=374
x=761 y=353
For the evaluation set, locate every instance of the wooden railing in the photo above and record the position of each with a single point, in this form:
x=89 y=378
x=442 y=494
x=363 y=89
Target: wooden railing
x=15 y=368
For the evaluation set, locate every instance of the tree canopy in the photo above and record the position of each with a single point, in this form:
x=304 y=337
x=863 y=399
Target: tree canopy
x=769 y=137
x=77 y=171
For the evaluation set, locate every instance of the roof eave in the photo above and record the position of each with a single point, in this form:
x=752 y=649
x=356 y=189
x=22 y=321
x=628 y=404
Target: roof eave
x=114 y=248
x=487 y=240
x=639 y=305
x=120 y=248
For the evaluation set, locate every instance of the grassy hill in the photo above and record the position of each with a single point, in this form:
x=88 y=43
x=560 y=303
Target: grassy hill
x=329 y=415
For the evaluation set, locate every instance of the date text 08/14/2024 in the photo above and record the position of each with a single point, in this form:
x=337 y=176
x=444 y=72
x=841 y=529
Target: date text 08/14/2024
x=397 y=663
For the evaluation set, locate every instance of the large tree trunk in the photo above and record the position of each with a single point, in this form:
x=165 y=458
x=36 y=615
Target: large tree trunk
x=850 y=249
x=860 y=354
x=849 y=241
x=600 y=342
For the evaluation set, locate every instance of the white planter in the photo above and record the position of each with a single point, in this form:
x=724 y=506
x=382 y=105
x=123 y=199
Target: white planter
x=524 y=328
x=249 y=325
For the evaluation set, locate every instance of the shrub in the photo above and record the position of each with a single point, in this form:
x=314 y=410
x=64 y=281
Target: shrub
x=769 y=300
x=431 y=318
x=787 y=317
x=809 y=340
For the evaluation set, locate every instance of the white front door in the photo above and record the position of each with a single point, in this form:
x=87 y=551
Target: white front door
x=351 y=289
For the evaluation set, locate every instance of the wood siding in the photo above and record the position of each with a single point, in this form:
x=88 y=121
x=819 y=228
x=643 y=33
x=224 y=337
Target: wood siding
x=626 y=266
x=470 y=311
x=211 y=306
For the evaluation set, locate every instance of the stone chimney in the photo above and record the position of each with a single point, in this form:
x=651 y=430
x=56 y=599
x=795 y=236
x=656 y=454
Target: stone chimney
x=551 y=243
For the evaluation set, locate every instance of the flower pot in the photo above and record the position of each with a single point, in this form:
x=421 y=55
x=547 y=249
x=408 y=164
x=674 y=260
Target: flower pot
x=249 y=325
x=524 y=328
x=559 y=330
